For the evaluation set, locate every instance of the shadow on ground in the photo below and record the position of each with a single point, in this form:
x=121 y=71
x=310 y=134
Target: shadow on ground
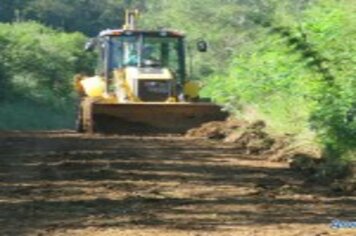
x=68 y=181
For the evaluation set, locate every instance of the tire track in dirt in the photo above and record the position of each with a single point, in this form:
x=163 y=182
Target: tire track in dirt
x=63 y=183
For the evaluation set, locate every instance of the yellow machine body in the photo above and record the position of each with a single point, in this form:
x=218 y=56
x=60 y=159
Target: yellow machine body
x=142 y=86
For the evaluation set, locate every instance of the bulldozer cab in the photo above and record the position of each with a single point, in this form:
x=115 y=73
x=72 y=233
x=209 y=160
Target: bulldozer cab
x=144 y=50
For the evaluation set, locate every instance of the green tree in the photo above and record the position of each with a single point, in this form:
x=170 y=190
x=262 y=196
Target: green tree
x=40 y=62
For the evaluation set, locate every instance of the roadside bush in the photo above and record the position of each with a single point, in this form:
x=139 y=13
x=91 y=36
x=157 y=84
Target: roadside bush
x=40 y=62
x=37 y=65
x=300 y=73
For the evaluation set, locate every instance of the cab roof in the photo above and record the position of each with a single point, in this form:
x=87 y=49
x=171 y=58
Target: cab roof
x=157 y=33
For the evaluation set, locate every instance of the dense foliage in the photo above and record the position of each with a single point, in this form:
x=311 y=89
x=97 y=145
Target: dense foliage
x=37 y=65
x=300 y=72
x=87 y=16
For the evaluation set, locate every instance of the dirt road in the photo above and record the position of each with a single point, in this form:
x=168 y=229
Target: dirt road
x=62 y=183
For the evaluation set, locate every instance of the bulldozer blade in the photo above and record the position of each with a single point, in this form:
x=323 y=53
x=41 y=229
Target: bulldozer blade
x=150 y=118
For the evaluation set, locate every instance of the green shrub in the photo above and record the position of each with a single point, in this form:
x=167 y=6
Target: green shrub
x=37 y=65
x=301 y=73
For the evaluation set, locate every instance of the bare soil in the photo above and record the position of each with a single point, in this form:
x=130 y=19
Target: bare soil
x=62 y=183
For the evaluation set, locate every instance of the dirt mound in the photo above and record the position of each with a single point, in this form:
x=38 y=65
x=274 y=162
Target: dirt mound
x=252 y=138
x=249 y=136
x=341 y=178
x=217 y=130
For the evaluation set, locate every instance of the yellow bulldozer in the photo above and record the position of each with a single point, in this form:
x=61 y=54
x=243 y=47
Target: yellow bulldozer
x=141 y=85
